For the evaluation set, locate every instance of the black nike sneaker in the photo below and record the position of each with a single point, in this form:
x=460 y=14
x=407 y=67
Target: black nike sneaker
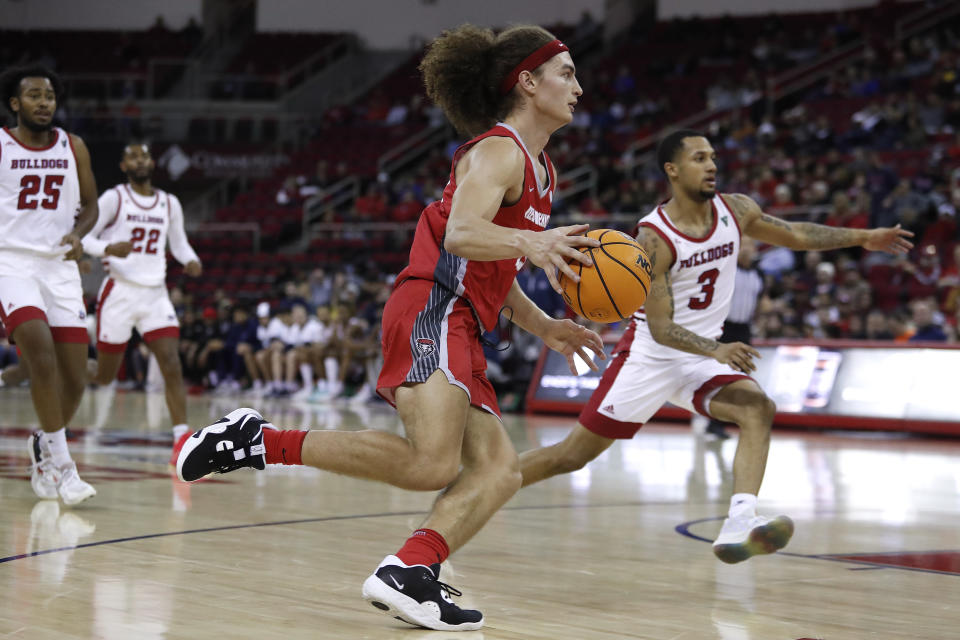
x=232 y=442
x=415 y=595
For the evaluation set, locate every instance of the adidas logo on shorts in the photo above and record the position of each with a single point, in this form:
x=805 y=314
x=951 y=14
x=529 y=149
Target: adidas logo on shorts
x=608 y=408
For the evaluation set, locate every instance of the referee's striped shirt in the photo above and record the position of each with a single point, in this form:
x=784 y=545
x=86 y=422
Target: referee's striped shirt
x=747 y=287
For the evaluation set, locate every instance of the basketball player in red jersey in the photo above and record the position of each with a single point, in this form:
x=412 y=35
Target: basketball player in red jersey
x=48 y=202
x=511 y=91
x=669 y=352
x=137 y=222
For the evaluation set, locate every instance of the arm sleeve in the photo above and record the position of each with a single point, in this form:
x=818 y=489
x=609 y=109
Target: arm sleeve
x=176 y=236
x=109 y=204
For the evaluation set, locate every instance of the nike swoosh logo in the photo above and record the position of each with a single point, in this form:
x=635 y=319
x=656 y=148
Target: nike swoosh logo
x=399 y=584
x=530 y=189
x=283 y=454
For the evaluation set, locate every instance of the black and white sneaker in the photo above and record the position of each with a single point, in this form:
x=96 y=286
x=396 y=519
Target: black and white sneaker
x=232 y=442
x=415 y=595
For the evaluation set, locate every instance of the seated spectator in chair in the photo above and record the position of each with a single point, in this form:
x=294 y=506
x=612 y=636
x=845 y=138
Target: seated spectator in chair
x=209 y=346
x=307 y=330
x=248 y=348
x=278 y=339
x=929 y=328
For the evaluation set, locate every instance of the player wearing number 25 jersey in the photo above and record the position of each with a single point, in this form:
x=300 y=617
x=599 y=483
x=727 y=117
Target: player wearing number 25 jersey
x=48 y=202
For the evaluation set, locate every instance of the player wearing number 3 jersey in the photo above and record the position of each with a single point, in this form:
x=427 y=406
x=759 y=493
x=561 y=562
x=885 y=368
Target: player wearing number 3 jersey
x=136 y=223
x=48 y=202
x=669 y=352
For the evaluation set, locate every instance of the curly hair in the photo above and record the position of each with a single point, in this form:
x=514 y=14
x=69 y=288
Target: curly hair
x=10 y=82
x=463 y=68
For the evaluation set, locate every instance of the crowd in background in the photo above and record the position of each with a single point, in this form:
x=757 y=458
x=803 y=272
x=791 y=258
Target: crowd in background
x=876 y=143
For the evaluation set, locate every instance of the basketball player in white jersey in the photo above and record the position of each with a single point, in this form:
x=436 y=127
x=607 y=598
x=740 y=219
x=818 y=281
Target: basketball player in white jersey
x=137 y=221
x=48 y=202
x=669 y=352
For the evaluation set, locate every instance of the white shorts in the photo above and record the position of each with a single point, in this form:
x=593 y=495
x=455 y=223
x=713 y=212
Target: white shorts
x=634 y=387
x=121 y=306
x=34 y=287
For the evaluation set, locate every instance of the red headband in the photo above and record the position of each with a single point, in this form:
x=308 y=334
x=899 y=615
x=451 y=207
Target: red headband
x=530 y=63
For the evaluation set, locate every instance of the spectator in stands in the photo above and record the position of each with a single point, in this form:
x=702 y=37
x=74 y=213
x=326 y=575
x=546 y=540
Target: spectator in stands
x=321 y=288
x=254 y=344
x=948 y=287
x=373 y=204
x=923 y=274
x=210 y=344
x=324 y=353
x=240 y=334
x=876 y=327
x=844 y=215
x=407 y=209
x=359 y=349
x=289 y=193
x=902 y=203
x=928 y=328
x=277 y=340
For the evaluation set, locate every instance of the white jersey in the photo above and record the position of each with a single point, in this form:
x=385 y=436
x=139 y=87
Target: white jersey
x=278 y=330
x=702 y=275
x=39 y=194
x=147 y=222
x=312 y=332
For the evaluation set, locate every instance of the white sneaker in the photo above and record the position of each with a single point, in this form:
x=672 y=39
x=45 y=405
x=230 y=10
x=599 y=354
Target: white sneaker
x=302 y=394
x=742 y=538
x=72 y=489
x=44 y=475
x=362 y=395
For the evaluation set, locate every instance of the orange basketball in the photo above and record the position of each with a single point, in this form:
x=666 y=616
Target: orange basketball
x=617 y=283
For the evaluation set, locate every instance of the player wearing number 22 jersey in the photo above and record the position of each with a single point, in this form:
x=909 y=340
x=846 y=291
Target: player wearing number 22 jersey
x=134 y=294
x=137 y=222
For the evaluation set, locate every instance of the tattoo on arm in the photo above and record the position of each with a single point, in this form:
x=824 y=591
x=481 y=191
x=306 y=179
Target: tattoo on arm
x=818 y=236
x=675 y=335
x=777 y=222
x=686 y=340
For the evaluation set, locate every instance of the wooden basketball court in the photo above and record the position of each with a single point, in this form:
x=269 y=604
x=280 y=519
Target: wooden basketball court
x=617 y=550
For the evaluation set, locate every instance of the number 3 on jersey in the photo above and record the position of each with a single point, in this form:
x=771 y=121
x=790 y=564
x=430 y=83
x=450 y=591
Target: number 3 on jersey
x=30 y=188
x=707 y=280
x=139 y=233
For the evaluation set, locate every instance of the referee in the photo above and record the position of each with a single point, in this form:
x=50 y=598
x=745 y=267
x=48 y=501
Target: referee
x=746 y=291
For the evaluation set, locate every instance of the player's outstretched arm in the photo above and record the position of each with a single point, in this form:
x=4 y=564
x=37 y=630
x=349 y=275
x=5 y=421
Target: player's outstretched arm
x=659 y=308
x=89 y=211
x=563 y=336
x=809 y=236
x=487 y=174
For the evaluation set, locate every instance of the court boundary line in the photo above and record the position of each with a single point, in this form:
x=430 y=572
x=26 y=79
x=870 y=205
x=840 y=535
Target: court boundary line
x=683 y=529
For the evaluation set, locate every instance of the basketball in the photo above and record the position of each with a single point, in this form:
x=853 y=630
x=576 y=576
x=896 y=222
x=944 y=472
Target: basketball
x=616 y=285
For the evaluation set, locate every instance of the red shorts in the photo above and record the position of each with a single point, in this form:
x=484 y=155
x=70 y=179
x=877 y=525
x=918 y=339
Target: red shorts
x=426 y=328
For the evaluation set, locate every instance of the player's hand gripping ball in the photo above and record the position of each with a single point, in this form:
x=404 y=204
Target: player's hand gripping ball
x=617 y=283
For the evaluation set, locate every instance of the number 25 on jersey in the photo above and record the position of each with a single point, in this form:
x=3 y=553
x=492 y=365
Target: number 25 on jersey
x=30 y=192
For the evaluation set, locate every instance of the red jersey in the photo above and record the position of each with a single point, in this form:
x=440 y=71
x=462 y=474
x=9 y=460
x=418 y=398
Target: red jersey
x=484 y=284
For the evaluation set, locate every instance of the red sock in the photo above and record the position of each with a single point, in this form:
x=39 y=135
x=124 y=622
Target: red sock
x=283 y=446
x=425 y=547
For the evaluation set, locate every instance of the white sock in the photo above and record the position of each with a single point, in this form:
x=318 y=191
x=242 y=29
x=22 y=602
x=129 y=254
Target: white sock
x=332 y=369
x=743 y=505
x=179 y=430
x=306 y=373
x=56 y=442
